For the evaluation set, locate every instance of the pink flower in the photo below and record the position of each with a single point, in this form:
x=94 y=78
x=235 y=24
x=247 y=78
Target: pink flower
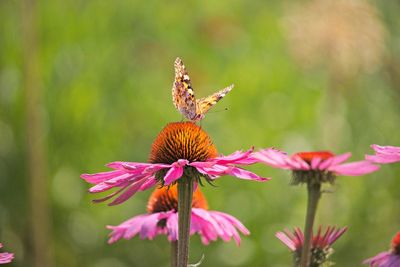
x=323 y=164
x=388 y=258
x=320 y=246
x=5 y=257
x=181 y=149
x=162 y=219
x=384 y=154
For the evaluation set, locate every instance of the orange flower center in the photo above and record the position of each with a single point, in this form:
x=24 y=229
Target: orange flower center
x=396 y=243
x=182 y=140
x=309 y=156
x=166 y=199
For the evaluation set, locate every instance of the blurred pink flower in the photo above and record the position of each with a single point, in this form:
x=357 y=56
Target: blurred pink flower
x=5 y=257
x=181 y=149
x=388 y=258
x=320 y=246
x=322 y=163
x=384 y=154
x=162 y=219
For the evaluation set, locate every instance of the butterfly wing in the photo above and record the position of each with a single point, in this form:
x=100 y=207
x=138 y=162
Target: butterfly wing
x=204 y=104
x=182 y=92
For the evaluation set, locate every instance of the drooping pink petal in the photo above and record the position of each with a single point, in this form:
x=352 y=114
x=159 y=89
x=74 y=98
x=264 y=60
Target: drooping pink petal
x=295 y=240
x=208 y=224
x=101 y=176
x=172 y=226
x=247 y=175
x=384 y=154
x=234 y=221
x=286 y=240
x=386 y=150
x=143 y=224
x=383 y=259
x=315 y=163
x=297 y=163
x=5 y=257
x=149 y=183
x=238 y=157
x=354 y=168
x=130 y=191
x=273 y=157
x=128 y=177
x=175 y=172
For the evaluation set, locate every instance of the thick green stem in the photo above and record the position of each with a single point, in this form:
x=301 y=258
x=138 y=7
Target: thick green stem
x=174 y=253
x=185 y=195
x=314 y=194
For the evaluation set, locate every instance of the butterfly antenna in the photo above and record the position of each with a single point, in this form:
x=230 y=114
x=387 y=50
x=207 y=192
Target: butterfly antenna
x=217 y=111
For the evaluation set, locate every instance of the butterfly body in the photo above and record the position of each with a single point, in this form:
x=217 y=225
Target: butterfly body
x=184 y=99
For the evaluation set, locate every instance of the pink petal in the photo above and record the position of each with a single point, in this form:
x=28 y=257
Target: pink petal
x=315 y=163
x=145 y=224
x=130 y=191
x=149 y=183
x=286 y=240
x=238 y=157
x=175 y=172
x=334 y=161
x=386 y=149
x=172 y=226
x=379 y=260
x=297 y=163
x=272 y=157
x=101 y=176
x=247 y=175
x=211 y=224
x=354 y=168
x=6 y=257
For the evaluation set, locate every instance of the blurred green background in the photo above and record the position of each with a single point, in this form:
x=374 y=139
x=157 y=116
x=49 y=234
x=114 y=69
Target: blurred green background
x=83 y=83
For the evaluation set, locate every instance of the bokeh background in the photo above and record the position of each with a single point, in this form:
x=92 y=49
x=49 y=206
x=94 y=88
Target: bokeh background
x=83 y=83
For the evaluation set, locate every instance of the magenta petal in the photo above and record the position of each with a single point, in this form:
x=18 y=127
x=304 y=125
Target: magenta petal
x=213 y=224
x=354 y=168
x=175 y=172
x=172 y=226
x=379 y=260
x=247 y=175
x=149 y=183
x=130 y=191
x=315 y=163
x=286 y=240
x=101 y=176
x=149 y=227
x=384 y=154
x=5 y=257
x=386 y=149
x=146 y=225
x=297 y=163
x=108 y=196
x=382 y=159
x=272 y=157
x=238 y=157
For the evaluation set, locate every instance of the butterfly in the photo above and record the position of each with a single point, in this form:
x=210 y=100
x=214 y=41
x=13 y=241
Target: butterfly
x=183 y=95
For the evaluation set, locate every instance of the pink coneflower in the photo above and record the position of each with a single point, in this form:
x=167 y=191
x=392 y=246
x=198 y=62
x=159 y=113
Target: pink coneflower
x=388 y=258
x=5 y=257
x=384 y=154
x=182 y=149
x=323 y=166
x=321 y=246
x=162 y=219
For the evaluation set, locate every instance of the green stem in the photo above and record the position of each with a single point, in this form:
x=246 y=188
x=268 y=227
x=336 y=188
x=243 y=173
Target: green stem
x=185 y=195
x=174 y=253
x=314 y=194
